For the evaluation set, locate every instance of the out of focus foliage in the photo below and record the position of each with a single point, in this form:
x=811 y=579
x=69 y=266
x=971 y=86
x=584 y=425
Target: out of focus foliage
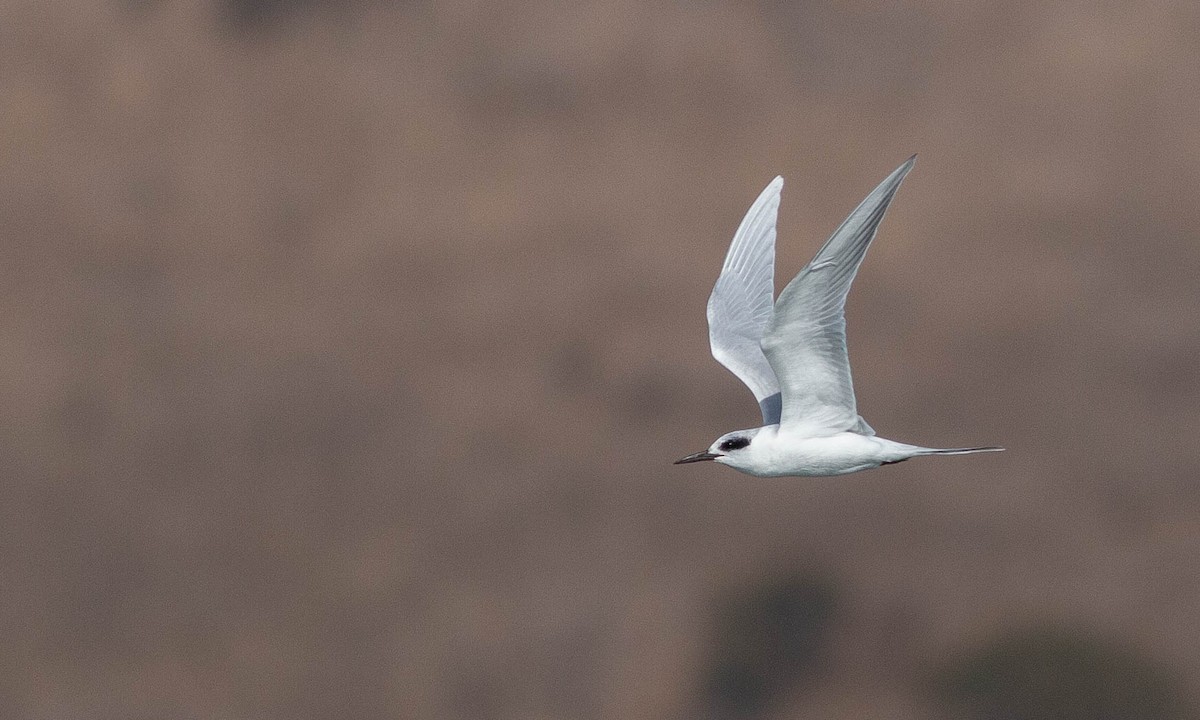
x=769 y=638
x=261 y=14
x=1059 y=674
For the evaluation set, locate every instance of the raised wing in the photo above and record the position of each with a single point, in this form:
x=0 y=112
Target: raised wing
x=805 y=341
x=739 y=308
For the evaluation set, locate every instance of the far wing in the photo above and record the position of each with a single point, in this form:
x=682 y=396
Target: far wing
x=739 y=308
x=805 y=341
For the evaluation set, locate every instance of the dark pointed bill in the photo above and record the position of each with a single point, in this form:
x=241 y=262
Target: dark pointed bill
x=697 y=457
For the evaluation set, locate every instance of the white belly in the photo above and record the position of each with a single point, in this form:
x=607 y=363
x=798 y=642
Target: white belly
x=840 y=454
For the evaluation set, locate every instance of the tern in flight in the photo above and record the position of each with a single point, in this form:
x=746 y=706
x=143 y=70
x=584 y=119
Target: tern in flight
x=792 y=353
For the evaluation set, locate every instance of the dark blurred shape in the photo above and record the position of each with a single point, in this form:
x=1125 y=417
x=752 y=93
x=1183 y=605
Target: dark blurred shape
x=140 y=7
x=1060 y=674
x=261 y=14
x=769 y=638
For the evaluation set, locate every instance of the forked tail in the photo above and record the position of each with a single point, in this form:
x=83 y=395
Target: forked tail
x=907 y=452
x=961 y=451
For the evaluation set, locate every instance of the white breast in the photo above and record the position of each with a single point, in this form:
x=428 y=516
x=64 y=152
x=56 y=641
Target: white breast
x=779 y=454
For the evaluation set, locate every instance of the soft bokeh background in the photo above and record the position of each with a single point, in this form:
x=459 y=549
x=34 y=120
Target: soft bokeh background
x=345 y=347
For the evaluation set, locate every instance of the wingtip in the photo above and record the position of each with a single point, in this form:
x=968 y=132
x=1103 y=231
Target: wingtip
x=904 y=169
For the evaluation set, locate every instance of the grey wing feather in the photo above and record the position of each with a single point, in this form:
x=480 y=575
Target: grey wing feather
x=740 y=306
x=805 y=341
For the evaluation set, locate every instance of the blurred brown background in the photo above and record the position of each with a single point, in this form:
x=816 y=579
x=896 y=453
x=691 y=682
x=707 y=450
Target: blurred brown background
x=345 y=348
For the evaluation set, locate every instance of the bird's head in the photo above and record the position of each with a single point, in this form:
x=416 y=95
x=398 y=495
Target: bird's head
x=732 y=449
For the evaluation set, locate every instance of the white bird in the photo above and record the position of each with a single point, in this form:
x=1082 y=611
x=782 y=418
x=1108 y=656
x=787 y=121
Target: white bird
x=793 y=355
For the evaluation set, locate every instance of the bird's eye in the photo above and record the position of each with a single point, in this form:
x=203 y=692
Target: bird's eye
x=734 y=443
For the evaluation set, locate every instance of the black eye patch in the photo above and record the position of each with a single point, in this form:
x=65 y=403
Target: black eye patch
x=734 y=443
